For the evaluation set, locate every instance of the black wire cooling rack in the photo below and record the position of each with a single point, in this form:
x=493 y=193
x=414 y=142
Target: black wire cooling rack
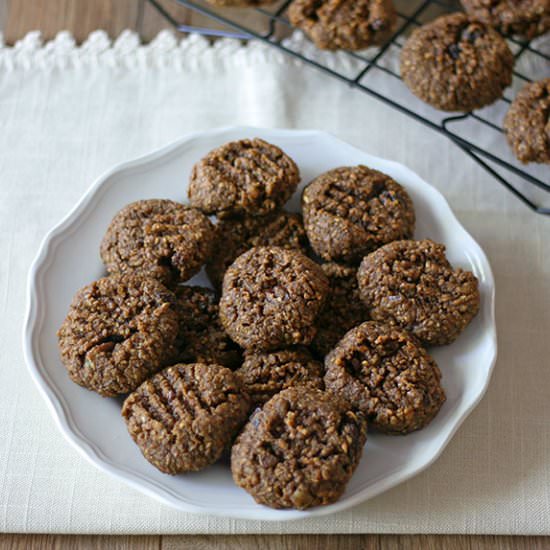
x=376 y=72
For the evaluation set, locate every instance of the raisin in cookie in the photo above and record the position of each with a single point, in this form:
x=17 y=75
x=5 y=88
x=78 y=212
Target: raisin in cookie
x=528 y=18
x=202 y=338
x=271 y=298
x=527 y=123
x=158 y=238
x=412 y=284
x=344 y=24
x=247 y=176
x=300 y=450
x=265 y=374
x=343 y=309
x=183 y=418
x=350 y=211
x=119 y=330
x=237 y=235
x=456 y=63
x=383 y=372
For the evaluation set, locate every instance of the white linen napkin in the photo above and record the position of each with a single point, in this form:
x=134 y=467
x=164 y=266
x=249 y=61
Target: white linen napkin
x=68 y=113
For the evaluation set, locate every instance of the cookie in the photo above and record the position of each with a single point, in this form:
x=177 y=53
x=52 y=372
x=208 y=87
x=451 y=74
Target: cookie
x=383 y=372
x=202 y=339
x=249 y=176
x=237 y=235
x=527 y=18
x=343 y=310
x=119 y=330
x=456 y=63
x=412 y=284
x=300 y=450
x=350 y=211
x=271 y=298
x=265 y=374
x=158 y=238
x=527 y=123
x=344 y=24
x=183 y=417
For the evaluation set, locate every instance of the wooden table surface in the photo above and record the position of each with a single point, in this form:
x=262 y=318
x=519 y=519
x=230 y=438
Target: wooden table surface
x=80 y=17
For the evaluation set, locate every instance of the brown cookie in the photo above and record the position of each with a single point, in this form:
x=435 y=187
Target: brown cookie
x=183 y=417
x=271 y=298
x=158 y=238
x=265 y=374
x=456 y=63
x=202 y=338
x=412 y=284
x=119 y=330
x=343 y=309
x=383 y=372
x=350 y=211
x=344 y=24
x=237 y=235
x=528 y=18
x=249 y=176
x=527 y=123
x=300 y=450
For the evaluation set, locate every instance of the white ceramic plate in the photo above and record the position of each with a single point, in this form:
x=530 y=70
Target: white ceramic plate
x=69 y=259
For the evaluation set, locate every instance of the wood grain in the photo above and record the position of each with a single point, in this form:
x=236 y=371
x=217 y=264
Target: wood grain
x=273 y=542
x=78 y=16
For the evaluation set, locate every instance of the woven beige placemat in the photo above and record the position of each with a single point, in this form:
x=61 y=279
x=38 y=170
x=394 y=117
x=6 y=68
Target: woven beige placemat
x=68 y=114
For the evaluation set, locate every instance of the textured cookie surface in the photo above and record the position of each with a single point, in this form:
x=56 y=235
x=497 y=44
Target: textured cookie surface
x=457 y=64
x=411 y=284
x=344 y=24
x=527 y=123
x=528 y=18
x=384 y=373
x=343 y=309
x=271 y=298
x=183 y=417
x=265 y=374
x=350 y=211
x=119 y=330
x=247 y=176
x=202 y=338
x=237 y=235
x=158 y=238
x=299 y=451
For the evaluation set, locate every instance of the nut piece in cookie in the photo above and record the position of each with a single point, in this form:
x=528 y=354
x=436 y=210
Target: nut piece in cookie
x=158 y=238
x=119 y=330
x=527 y=123
x=248 y=176
x=202 y=339
x=343 y=309
x=265 y=374
x=456 y=63
x=528 y=18
x=344 y=24
x=237 y=235
x=350 y=211
x=300 y=450
x=412 y=284
x=383 y=372
x=271 y=298
x=183 y=417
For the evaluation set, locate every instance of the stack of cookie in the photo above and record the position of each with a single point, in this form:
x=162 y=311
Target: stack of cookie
x=315 y=327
